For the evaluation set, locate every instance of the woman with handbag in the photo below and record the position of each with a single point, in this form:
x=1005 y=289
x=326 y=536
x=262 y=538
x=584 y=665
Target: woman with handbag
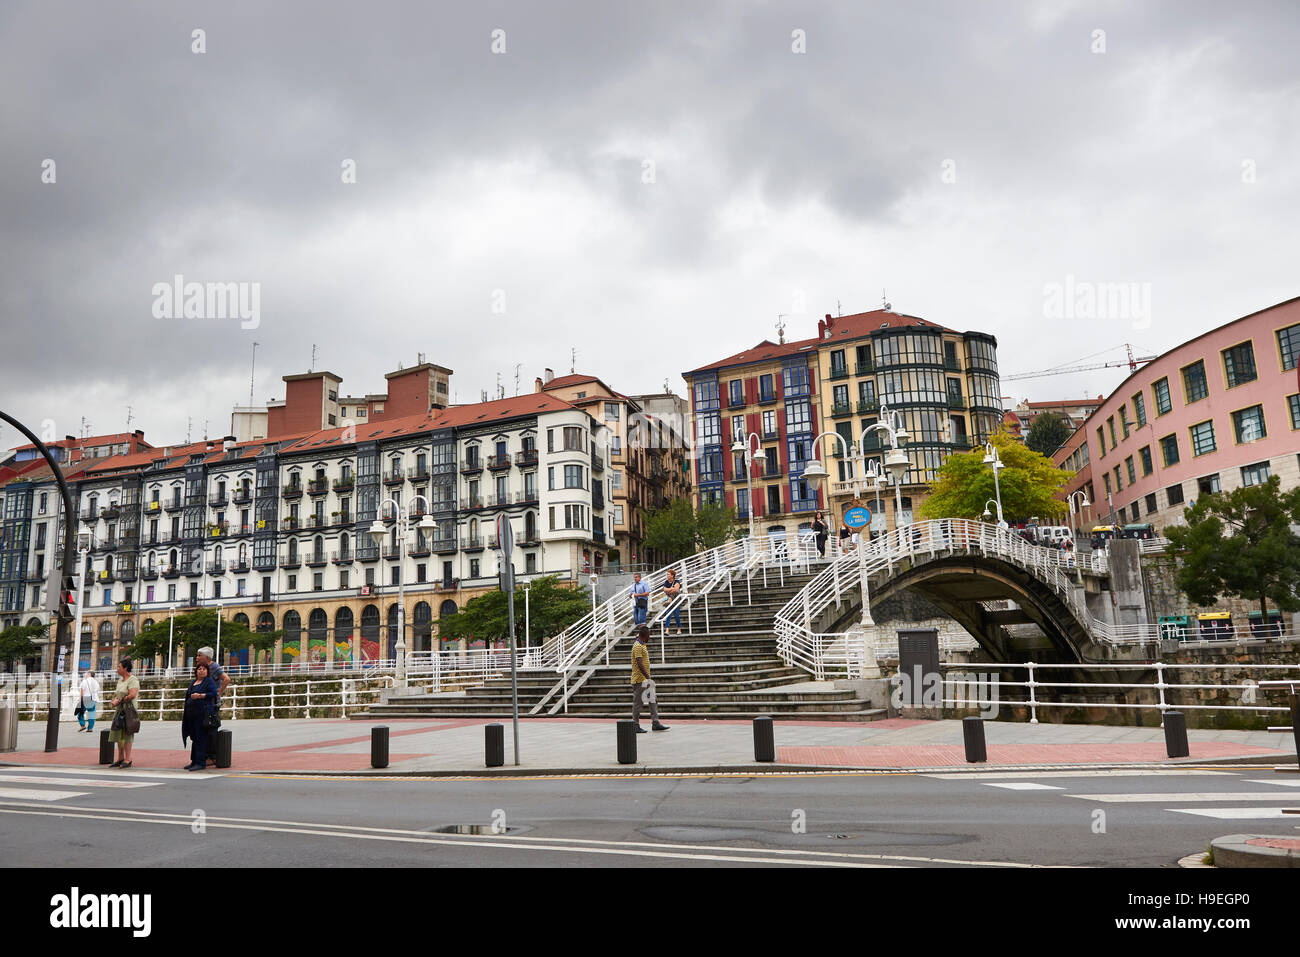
x=126 y=720
x=200 y=717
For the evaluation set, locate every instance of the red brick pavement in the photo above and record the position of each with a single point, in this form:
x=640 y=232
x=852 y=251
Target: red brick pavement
x=947 y=755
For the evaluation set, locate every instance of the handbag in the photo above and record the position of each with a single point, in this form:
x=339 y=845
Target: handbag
x=119 y=721
x=131 y=718
x=79 y=710
x=211 y=721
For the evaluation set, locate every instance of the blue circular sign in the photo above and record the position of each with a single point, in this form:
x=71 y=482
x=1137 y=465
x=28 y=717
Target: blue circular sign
x=857 y=517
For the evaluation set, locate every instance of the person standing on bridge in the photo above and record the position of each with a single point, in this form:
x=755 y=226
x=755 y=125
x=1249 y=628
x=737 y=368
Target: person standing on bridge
x=820 y=530
x=640 y=600
x=673 y=590
x=643 y=687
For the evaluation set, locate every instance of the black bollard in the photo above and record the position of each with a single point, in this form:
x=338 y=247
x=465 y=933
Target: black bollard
x=105 y=748
x=764 y=739
x=494 y=745
x=1294 y=701
x=627 y=741
x=379 y=746
x=225 y=748
x=1176 y=735
x=972 y=732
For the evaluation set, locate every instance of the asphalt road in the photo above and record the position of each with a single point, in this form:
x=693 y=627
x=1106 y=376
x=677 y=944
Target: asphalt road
x=1088 y=818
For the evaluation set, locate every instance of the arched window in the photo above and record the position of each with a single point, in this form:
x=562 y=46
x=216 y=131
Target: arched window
x=292 y=626
x=370 y=632
x=241 y=619
x=266 y=621
x=171 y=558
x=216 y=554
x=530 y=526
x=448 y=607
x=243 y=554
x=152 y=559
x=147 y=623
x=392 y=631
x=343 y=633
x=105 y=633
x=319 y=549
x=318 y=624
x=128 y=632
x=293 y=549
x=108 y=564
x=422 y=620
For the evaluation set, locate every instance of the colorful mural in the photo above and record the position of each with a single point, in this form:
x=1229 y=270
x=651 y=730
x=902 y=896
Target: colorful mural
x=316 y=650
x=343 y=651
x=290 y=653
x=369 y=650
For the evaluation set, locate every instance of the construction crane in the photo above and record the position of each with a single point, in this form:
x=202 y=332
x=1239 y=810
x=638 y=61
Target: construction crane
x=1132 y=362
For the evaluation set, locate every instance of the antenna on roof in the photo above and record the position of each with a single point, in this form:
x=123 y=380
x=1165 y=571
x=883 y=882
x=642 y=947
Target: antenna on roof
x=251 y=371
x=482 y=395
x=189 y=424
x=128 y=418
x=501 y=390
x=884 y=303
x=666 y=389
x=419 y=358
x=313 y=358
x=205 y=430
x=518 y=366
x=780 y=329
x=573 y=360
x=839 y=310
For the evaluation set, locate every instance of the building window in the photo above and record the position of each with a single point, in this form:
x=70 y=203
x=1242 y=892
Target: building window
x=1293 y=403
x=1140 y=409
x=1207 y=484
x=1175 y=494
x=1255 y=474
x=611 y=411
x=1169 y=450
x=1110 y=425
x=573 y=476
x=736 y=394
x=1106 y=481
x=1144 y=454
x=1288 y=343
x=1119 y=483
x=1249 y=424
x=1132 y=471
x=1239 y=364
x=769 y=423
x=1194 y=387
x=1203 y=438
x=1101 y=443
x=293 y=583
x=473 y=568
x=1163 y=402
x=317 y=581
x=1151 y=503
x=343 y=579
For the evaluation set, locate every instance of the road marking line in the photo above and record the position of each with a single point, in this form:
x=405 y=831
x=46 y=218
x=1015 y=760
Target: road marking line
x=1176 y=798
x=1021 y=786
x=1232 y=813
x=352 y=830
x=1116 y=772
x=1285 y=784
x=38 y=795
x=108 y=772
x=76 y=782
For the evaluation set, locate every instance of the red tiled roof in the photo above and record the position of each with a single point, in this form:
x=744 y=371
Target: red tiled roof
x=1066 y=403
x=765 y=351
x=89 y=442
x=864 y=323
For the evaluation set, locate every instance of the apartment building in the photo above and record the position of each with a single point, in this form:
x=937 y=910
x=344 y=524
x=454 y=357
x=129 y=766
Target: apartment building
x=1217 y=412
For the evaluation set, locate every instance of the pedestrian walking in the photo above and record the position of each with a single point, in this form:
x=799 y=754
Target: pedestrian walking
x=672 y=591
x=200 y=718
x=640 y=600
x=87 y=701
x=126 y=720
x=643 y=686
x=820 y=530
x=222 y=681
x=844 y=537
x=1068 y=547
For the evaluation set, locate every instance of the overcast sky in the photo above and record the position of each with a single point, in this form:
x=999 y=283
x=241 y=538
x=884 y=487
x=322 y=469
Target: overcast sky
x=649 y=183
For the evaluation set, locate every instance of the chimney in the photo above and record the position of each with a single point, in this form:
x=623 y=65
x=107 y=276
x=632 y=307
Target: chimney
x=228 y=443
x=537 y=384
x=550 y=374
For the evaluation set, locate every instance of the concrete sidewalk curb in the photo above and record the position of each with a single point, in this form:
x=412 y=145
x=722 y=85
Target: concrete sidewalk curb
x=1249 y=850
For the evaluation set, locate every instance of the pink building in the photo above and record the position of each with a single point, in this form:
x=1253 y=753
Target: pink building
x=1216 y=413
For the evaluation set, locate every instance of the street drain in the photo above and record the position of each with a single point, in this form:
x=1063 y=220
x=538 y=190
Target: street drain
x=494 y=829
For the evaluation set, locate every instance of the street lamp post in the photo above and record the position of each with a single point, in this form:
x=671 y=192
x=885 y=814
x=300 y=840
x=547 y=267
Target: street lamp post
x=220 y=605
x=992 y=459
x=750 y=458
x=83 y=541
x=987 y=514
x=378 y=533
x=171 y=633
x=1083 y=503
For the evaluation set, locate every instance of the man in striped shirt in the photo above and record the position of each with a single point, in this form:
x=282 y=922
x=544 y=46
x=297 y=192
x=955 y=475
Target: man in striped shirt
x=642 y=684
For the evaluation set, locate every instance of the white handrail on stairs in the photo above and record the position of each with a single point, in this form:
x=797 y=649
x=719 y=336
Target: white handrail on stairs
x=821 y=654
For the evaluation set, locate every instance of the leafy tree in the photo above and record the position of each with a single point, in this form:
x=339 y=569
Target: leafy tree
x=678 y=529
x=552 y=608
x=1029 y=484
x=1047 y=434
x=197 y=629
x=19 y=641
x=1241 y=543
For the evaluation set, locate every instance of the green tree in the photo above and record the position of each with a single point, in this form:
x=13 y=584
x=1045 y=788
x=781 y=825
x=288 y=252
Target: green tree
x=1241 y=543
x=552 y=608
x=1047 y=434
x=1029 y=483
x=19 y=641
x=197 y=629
x=679 y=530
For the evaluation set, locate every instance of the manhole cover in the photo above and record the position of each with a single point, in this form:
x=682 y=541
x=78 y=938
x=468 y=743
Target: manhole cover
x=494 y=829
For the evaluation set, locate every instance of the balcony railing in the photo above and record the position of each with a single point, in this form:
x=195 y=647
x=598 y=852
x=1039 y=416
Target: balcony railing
x=419 y=549
x=367 y=554
x=240 y=529
x=839 y=372
x=868 y=406
x=956 y=402
x=216 y=568
x=292 y=490
x=173 y=505
x=90 y=515
x=291 y=523
x=770 y=471
x=217 y=499
x=526 y=458
x=290 y=561
x=242 y=496
x=149 y=573
x=500 y=462
x=110 y=511
x=318 y=487
x=528 y=495
x=316 y=521
x=735 y=401
x=766 y=398
x=865 y=367
x=346 y=557
x=841 y=408
x=599 y=536
x=345 y=484
x=474 y=501
x=239 y=566
x=218 y=529
x=471 y=466
x=472 y=544
x=597 y=464
x=395 y=477
x=952 y=365
x=153 y=508
x=418 y=473
x=171 y=571
x=315 y=559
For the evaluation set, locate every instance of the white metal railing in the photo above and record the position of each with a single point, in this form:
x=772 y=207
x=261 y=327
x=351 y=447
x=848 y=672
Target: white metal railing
x=1250 y=691
x=280 y=699
x=821 y=654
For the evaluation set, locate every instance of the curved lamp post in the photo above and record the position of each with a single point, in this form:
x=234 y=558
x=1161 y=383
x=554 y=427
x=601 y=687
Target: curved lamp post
x=1083 y=503
x=378 y=531
x=751 y=457
x=994 y=460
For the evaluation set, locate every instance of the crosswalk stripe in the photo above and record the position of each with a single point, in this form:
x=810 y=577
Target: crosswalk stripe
x=75 y=782
x=129 y=773
x=1233 y=813
x=1021 y=786
x=1115 y=773
x=1284 y=784
x=1175 y=798
x=36 y=795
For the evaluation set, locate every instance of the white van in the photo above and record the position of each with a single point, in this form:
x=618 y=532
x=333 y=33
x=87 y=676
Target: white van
x=1054 y=534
